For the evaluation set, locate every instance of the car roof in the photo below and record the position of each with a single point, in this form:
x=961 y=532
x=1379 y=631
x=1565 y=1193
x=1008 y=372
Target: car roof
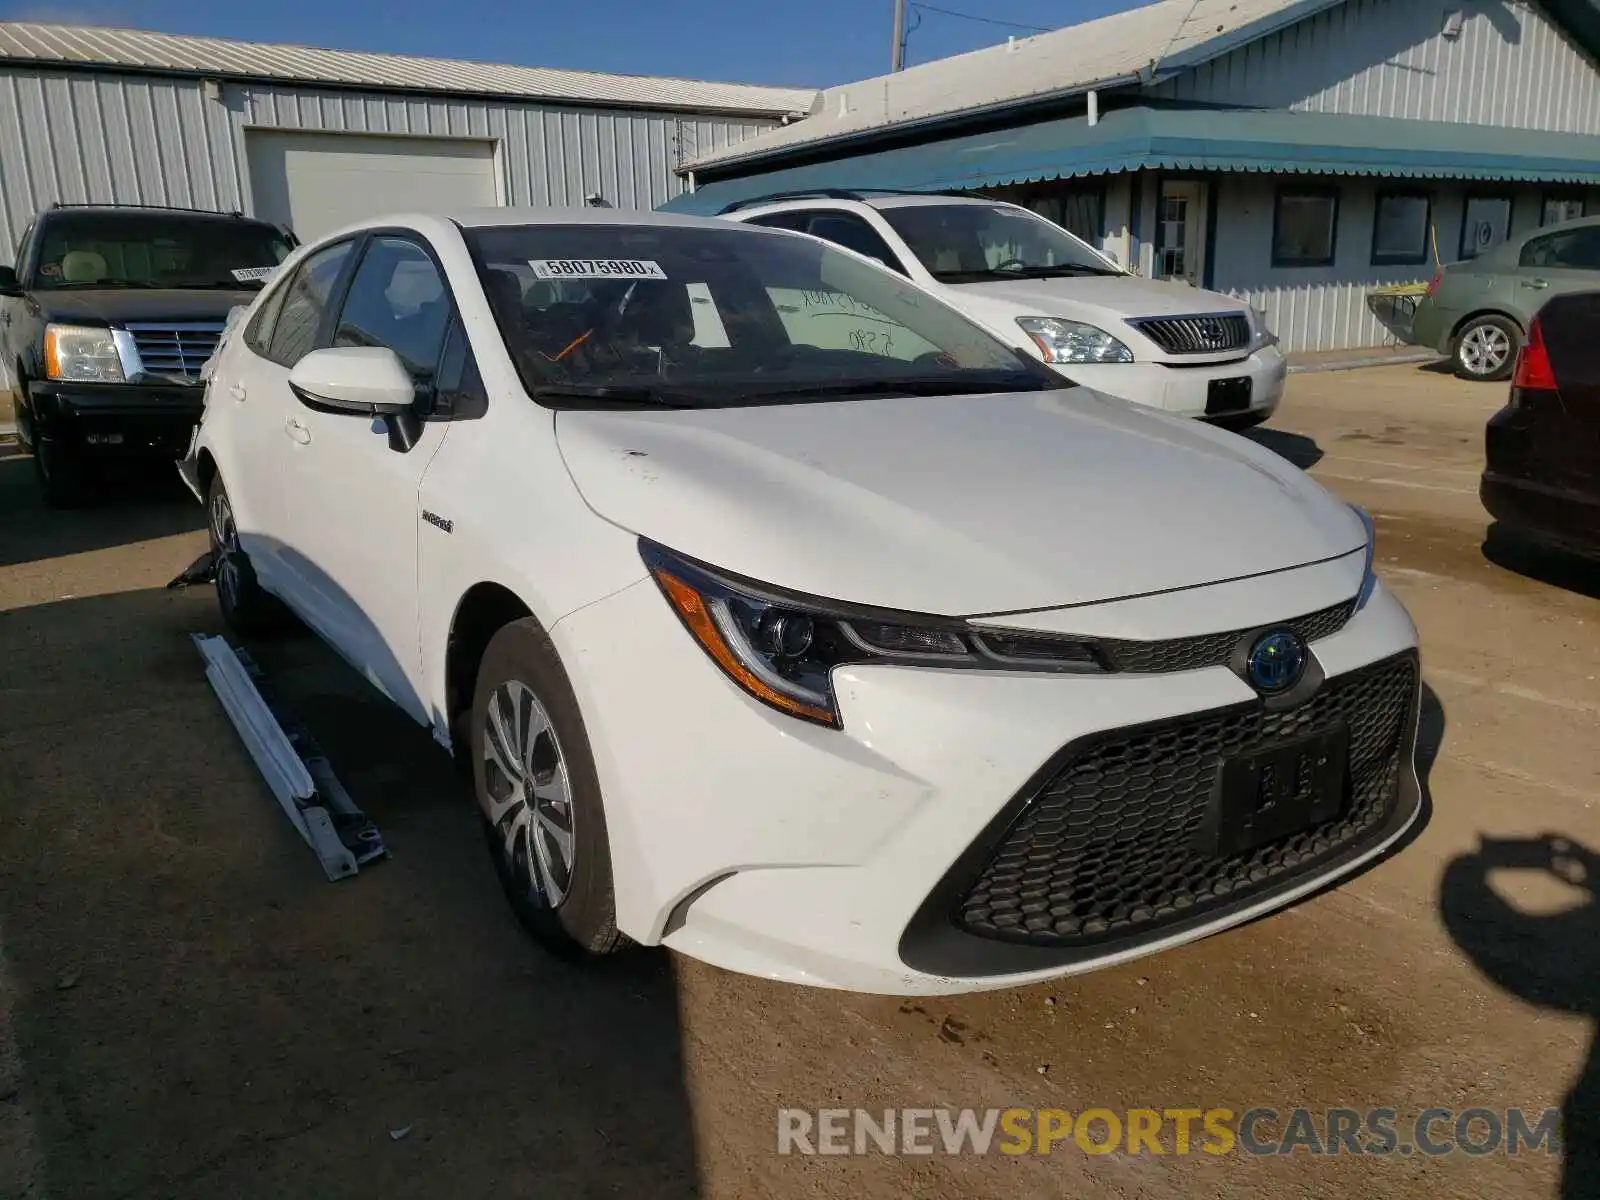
x=143 y=210
x=488 y=218
x=780 y=203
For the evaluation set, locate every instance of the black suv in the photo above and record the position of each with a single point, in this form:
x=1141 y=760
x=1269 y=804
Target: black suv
x=106 y=320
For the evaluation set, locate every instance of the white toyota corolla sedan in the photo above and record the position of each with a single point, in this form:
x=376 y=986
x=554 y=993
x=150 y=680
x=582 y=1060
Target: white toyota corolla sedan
x=889 y=663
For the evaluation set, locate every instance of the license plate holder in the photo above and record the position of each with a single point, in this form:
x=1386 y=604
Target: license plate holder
x=1281 y=788
x=1225 y=396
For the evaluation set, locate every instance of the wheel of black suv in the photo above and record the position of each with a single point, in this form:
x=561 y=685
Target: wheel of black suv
x=1486 y=349
x=246 y=608
x=539 y=796
x=63 y=481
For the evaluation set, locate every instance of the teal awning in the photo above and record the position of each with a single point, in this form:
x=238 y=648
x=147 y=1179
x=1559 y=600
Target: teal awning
x=1206 y=139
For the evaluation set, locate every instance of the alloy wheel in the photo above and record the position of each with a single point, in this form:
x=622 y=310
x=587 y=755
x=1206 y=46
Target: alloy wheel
x=1484 y=349
x=225 y=538
x=527 y=793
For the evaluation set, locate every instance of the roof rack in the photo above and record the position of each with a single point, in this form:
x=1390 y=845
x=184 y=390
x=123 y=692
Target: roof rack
x=162 y=207
x=823 y=194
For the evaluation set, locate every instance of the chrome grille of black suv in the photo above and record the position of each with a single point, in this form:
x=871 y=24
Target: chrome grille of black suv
x=176 y=348
x=1197 y=335
x=1110 y=849
x=1210 y=649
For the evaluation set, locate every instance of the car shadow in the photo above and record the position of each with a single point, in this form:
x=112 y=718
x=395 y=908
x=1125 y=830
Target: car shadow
x=133 y=504
x=1551 y=960
x=1302 y=451
x=199 y=1012
x=1558 y=568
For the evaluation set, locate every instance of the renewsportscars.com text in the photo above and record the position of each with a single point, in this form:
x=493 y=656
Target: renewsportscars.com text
x=1377 y=1132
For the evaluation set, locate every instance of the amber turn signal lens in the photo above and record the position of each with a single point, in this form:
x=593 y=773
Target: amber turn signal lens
x=691 y=608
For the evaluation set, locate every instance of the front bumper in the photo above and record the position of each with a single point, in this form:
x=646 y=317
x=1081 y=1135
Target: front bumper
x=771 y=847
x=1183 y=390
x=114 y=418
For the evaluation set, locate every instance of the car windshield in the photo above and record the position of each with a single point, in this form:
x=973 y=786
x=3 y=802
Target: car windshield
x=970 y=243
x=156 y=250
x=679 y=315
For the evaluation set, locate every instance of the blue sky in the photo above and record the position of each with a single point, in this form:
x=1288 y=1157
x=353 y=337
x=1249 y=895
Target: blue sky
x=817 y=42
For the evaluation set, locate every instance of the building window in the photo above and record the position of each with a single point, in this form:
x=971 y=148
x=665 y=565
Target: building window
x=1485 y=223
x=1560 y=208
x=1080 y=211
x=1304 y=227
x=1400 y=229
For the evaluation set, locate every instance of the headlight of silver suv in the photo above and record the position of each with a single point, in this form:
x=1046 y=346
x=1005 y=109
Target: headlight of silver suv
x=782 y=649
x=87 y=353
x=1261 y=336
x=1063 y=341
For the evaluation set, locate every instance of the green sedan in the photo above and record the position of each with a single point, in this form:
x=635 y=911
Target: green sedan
x=1476 y=311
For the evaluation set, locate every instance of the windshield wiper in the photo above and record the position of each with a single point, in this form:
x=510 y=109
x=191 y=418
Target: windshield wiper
x=99 y=283
x=1061 y=271
x=617 y=393
x=919 y=386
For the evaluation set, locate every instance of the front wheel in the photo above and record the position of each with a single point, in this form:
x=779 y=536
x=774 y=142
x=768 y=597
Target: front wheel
x=539 y=796
x=1486 y=348
x=248 y=609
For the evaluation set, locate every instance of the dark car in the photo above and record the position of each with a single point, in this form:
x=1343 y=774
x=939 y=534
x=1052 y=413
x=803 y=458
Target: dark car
x=1542 y=477
x=106 y=320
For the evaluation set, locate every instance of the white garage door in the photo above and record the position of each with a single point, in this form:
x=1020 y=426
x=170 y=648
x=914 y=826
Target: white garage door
x=317 y=182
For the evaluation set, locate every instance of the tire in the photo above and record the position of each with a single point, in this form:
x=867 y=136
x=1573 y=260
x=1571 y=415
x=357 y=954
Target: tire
x=1486 y=348
x=248 y=610
x=523 y=708
x=60 y=473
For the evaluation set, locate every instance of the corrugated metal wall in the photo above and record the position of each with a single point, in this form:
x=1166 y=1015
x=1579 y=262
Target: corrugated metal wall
x=84 y=136
x=1510 y=65
x=1324 y=308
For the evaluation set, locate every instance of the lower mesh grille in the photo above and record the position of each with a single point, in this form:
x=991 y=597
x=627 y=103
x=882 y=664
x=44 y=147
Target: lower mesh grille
x=1112 y=847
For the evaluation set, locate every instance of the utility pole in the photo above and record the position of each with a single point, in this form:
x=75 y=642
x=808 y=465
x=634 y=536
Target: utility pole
x=897 y=58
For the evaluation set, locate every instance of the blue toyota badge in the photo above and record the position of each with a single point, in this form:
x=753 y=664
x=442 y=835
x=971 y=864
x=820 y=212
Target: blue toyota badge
x=1276 y=662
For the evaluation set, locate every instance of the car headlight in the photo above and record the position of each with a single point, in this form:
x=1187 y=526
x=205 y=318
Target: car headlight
x=1063 y=341
x=1261 y=336
x=82 y=352
x=782 y=649
x=1369 y=577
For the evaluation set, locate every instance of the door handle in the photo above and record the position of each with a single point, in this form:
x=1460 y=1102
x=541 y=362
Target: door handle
x=297 y=431
x=236 y=390
x=1535 y=283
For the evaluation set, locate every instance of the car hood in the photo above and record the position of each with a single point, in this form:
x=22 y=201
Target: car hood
x=957 y=505
x=113 y=306
x=1090 y=297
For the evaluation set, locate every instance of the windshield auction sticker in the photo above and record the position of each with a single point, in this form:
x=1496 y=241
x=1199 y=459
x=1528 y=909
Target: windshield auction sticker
x=252 y=274
x=596 y=268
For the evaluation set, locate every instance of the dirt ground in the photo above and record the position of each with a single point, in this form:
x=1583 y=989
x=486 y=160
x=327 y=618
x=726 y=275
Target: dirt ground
x=188 y=1010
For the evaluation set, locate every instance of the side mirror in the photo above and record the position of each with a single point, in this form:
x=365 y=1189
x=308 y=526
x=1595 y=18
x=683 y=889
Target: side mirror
x=366 y=381
x=9 y=286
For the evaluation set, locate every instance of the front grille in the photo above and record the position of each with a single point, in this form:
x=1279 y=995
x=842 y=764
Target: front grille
x=1210 y=649
x=177 y=348
x=1112 y=847
x=1197 y=335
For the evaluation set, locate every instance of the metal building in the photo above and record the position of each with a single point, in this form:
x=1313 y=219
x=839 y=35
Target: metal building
x=1295 y=152
x=316 y=138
